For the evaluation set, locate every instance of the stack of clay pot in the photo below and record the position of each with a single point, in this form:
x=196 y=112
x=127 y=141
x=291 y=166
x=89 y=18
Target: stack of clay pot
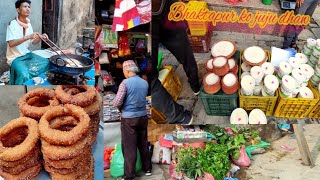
x=257 y=75
x=221 y=69
x=294 y=75
x=240 y=116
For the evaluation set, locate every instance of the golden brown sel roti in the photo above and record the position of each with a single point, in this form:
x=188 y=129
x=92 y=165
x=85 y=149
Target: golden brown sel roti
x=58 y=137
x=68 y=163
x=83 y=99
x=22 y=167
x=33 y=154
x=28 y=174
x=37 y=102
x=15 y=150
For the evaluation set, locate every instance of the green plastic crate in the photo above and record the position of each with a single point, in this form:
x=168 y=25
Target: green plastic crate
x=218 y=104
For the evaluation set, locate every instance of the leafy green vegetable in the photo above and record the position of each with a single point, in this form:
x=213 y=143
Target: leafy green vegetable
x=188 y=163
x=213 y=159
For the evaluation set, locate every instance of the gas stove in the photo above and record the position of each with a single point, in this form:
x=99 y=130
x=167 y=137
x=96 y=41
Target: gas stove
x=58 y=78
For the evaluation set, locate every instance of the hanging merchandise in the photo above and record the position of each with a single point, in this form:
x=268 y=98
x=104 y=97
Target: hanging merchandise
x=98 y=46
x=107 y=79
x=140 y=47
x=109 y=38
x=127 y=15
x=124 y=48
x=104 y=58
x=97 y=68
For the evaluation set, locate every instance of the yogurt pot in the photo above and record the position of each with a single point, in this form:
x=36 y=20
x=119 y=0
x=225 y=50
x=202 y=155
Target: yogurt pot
x=307 y=70
x=244 y=74
x=247 y=85
x=317 y=69
x=314 y=59
x=310 y=63
x=284 y=68
x=271 y=84
x=298 y=76
x=279 y=78
x=307 y=50
x=245 y=67
x=257 y=89
x=257 y=73
x=294 y=63
x=318 y=43
x=311 y=43
x=268 y=68
x=239 y=116
x=257 y=116
x=290 y=95
x=302 y=58
x=316 y=52
x=316 y=78
x=296 y=92
x=245 y=92
x=263 y=92
x=288 y=85
x=314 y=82
x=305 y=92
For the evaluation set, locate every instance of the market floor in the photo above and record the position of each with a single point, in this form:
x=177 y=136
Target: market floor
x=159 y=172
x=279 y=163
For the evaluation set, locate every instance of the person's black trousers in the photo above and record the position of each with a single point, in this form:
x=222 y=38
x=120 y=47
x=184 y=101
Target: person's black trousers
x=177 y=42
x=292 y=32
x=134 y=134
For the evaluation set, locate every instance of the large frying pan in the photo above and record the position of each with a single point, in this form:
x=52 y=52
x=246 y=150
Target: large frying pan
x=58 y=64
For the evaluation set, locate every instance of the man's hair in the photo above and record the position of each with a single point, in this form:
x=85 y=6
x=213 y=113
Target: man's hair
x=19 y=2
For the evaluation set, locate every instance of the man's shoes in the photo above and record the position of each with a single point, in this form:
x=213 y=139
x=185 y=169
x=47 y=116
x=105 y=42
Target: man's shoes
x=196 y=93
x=148 y=173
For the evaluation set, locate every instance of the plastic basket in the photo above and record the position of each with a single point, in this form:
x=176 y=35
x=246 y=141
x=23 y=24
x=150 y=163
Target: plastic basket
x=248 y=103
x=295 y=107
x=197 y=28
x=172 y=83
x=200 y=44
x=158 y=117
x=315 y=112
x=218 y=104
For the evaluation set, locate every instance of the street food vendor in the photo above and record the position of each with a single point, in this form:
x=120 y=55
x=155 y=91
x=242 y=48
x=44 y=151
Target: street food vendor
x=24 y=64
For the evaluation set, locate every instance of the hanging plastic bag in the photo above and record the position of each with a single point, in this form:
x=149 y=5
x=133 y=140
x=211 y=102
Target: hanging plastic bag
x=117 y=163
x=206 y=177
x=243 y=160
x=252 y=147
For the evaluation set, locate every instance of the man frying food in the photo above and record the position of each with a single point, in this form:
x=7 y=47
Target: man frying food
x=24 y=64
